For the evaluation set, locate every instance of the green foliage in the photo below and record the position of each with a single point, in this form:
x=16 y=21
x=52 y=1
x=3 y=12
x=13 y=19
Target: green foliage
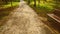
x=16 y=0
x=9 y=4
x=47 y=5
x=44 y=5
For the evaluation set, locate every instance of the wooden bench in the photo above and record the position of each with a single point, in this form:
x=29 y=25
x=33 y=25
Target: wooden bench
x=54 y=19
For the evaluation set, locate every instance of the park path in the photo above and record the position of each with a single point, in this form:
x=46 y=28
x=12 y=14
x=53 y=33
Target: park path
x=24 y=21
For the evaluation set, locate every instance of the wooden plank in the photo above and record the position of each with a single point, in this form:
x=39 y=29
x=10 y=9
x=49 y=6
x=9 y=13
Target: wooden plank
x=54 y=17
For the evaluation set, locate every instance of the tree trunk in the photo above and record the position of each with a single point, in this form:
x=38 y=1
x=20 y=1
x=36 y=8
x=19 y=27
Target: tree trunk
x=38 y=3
x=6 y=1
x=28 y=1
x=34 y=3
x=11 y=3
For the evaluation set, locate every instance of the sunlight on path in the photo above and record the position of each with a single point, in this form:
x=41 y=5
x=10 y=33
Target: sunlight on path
x=24 y=21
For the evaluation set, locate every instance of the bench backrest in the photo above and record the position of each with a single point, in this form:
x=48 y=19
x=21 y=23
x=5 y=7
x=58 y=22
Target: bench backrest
x=57 y=12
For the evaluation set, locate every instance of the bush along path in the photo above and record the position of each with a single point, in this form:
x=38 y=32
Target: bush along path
x=23 y=21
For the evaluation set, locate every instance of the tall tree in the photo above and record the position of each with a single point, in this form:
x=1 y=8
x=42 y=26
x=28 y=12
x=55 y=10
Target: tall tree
x=34 y=3
x=38 y=3
x=11 y=3
x=28 y=1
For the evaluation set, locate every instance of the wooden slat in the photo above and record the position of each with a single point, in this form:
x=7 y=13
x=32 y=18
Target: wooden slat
x=54 y=17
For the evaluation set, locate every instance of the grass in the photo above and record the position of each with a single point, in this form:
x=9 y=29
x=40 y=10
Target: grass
x=9 y=5
x=44 y=5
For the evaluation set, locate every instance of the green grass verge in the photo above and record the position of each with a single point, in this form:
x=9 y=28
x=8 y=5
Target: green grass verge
x=9 y=5
x=43 y=5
